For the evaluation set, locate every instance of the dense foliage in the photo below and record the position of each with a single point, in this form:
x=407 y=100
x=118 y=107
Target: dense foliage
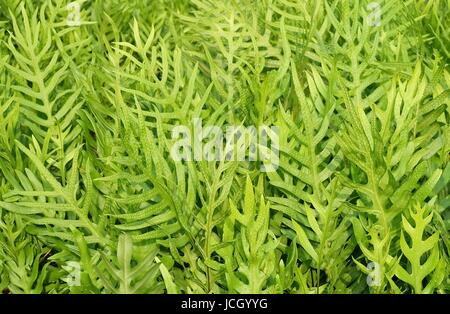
x=358 y=204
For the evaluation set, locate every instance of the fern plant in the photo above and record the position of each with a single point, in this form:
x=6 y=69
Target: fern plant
x=92 y=200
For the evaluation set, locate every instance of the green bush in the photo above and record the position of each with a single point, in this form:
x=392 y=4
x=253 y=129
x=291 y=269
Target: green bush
x=91 y=200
